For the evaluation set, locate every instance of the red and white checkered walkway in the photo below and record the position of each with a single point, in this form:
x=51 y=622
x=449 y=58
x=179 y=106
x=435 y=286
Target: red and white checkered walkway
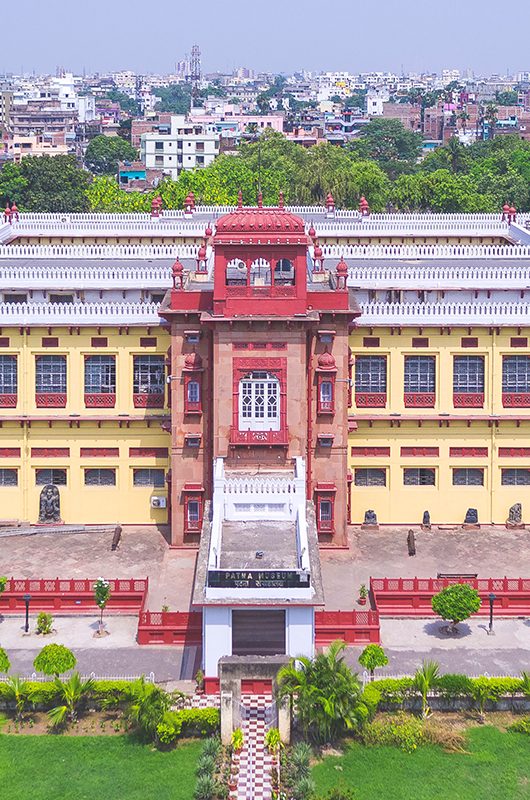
x=255 y=761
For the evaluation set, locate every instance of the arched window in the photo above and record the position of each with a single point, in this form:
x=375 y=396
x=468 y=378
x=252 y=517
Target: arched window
x=260 y=273
x=284 y=272
x=259 y=402
x=236 y=273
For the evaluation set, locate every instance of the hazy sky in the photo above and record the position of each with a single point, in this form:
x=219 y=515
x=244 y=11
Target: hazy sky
x=272 y=35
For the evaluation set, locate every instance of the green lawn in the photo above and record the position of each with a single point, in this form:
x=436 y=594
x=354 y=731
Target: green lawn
x=497 y=767
x=88 y=767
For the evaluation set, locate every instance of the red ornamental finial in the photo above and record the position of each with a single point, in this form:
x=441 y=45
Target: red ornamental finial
x=342 y=274
x=260 y=200
x=312 y=231
x=177 y=271
x=281 y=201
x=240 y=199
x=208 y=232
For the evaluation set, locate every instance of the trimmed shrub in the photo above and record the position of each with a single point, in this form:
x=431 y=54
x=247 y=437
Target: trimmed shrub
x=205 y=788
x=5 y=664
x=54 y=659
x=44 y=623
x=521 y=726
x=394 y=690
x=452 y=686
x=205 y=765
x=399 y=730
x=371 y=697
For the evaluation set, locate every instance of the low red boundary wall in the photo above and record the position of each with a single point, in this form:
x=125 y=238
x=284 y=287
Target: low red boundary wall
x=411 y=597
x=71 y=595
x=353 y=627
x=170 y=627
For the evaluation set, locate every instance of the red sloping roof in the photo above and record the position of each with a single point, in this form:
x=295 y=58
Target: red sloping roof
x=260 y=220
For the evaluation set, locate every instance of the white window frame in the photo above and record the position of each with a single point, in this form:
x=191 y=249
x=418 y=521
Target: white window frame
x=259 y=402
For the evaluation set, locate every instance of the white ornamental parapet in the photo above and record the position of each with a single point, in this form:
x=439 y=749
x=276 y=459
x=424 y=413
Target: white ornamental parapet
x=425 y=251
x=439 y=276
x=445 y=314
x=105 y=313
x=96 y=251
x=97 y=276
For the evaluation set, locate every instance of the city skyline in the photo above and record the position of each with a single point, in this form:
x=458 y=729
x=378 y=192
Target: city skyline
x=350 y=38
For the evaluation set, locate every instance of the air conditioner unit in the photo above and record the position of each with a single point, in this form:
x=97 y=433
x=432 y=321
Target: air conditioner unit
x=158 y=502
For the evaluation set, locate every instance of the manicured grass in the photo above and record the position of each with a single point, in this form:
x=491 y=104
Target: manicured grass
x=88 y=767
x=497 y=766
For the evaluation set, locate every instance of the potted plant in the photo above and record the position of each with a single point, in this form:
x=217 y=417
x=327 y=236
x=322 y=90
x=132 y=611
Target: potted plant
x=237 y=740
x=363 y=595
x=199 y=682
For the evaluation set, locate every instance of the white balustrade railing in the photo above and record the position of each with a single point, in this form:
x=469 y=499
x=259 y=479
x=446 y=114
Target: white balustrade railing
x=76 y=276
x=425 y=251
x=371 y=227
x=445 y=313
x=104 y=313
x=439 y=276
x=116 y=227
x=96 y=251
x=6 y=233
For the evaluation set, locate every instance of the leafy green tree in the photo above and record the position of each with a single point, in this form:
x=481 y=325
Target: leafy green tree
x=373 y=656
x=54 y=659
x=507 y=98
x=71 y=692
x=102 y=596
x=53 y=184
x=13 y=185
x=388 y=142
x=425 y=680
x=126 y=103
x=175 y=99
x=104 y=152
x=325 y=693
x=5 y=664
x=456 y=603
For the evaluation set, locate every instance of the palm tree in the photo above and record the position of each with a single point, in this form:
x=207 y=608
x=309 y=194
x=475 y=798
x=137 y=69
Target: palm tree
x=425 y=680
x=71 y=693
x=463 y=117
x=145 y=706
x=490 y=115
x=325 y=693
x=455 y=151
x=17 y=692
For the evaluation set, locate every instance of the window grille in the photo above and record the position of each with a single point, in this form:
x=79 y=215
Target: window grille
x=148 y=375
x=193 y=392
x=468 y=374
x=61 y=298
x=193 y=512
x=51 y=374
x=8 y=374
x=325 y=508
x=370 y=477
x=15 y=298
x=100 y=477
x=468 y=477
x=420 y=374
x=516 y=374
x=419 y=477
x=8 y=477
x=284 y=272
x=370 y=374
x=149 y=477
x=100 y=375
x=326 y=393
x=259 y=402
x=515 y=477
x=45 y=476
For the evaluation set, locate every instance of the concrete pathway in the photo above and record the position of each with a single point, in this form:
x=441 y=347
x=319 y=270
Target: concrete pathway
x=255 y=762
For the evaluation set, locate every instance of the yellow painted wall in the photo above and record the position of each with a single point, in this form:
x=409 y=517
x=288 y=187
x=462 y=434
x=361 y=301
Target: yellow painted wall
x=75 y=427
x=442 y=426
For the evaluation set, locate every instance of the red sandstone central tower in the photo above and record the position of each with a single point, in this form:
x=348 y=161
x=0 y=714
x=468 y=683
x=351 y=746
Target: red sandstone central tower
x=259 y=367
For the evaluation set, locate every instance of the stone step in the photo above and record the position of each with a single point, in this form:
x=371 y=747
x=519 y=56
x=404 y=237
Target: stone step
x=33 y=530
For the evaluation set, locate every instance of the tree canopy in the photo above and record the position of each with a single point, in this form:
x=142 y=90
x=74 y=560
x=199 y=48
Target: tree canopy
x=53 y=184
x=386 y=141
x=456 y=603
x=54 y=659
x=104 y=152
x=175 y=99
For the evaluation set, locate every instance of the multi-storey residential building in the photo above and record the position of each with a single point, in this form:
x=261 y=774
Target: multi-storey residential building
x=6 y=102
x=188 y=145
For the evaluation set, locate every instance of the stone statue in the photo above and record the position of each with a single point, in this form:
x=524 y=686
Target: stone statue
x=426 y=522
x=471 y=517
x=515 y=516
x=411 y=543
x=50 y=504
x=370 y=517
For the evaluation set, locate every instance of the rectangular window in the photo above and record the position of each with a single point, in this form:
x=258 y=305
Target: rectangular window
x=192 y=394
x=325 y=515
x=55 y=476
x=100 y=375
x=515 y=477
x=192 y=514
x=148 y=381
x=149 y=477
x=325 y=403
x=468 y=477
x=61 y=298
x=419 y=477
x=159 y=145
x=370 y=477
x=15 y=298
x=50 y=381
x=8 y=477
x=100 y=477
x=468 y=381
x=516 y=380
x=370 y=381
x=8 y=375
x=420 y=374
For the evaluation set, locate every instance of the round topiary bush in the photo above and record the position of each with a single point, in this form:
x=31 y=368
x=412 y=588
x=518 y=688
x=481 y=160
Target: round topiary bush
x=54 y=659
x=456 y=603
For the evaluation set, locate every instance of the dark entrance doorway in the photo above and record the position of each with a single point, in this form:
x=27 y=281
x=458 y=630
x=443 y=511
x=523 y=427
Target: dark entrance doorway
x=258 y=633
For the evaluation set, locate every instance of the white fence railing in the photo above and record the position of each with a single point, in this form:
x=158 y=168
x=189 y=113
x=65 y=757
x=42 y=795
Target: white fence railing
x=425 y=251
x=440 y=276
x=77 y=276
x=159 y=226
x=110 y=313
x=445 y=313
x=96 y=251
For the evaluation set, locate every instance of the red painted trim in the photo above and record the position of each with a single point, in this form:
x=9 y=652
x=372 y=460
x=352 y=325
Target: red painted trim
x=8 y=400
x=370 y=400
x=76 y=595
x=212 y=686
x=420 y=451
x=325 y=406
x=462 y=452
x=468 y=400
x=148 y=452
x=100 y=452
x=353 y=627
x=514 y=452
x=170 y=627
x=100 y=400
x=189 y=407
x=50 y=452
x=419 y=400
x=370 y=451
x=148 y=400
x=9 y=452
x=52 y=400
x=275 y=366
x=512 y=400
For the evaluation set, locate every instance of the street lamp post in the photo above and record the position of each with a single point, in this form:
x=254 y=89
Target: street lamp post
x=491 y=598
x=27 y=598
